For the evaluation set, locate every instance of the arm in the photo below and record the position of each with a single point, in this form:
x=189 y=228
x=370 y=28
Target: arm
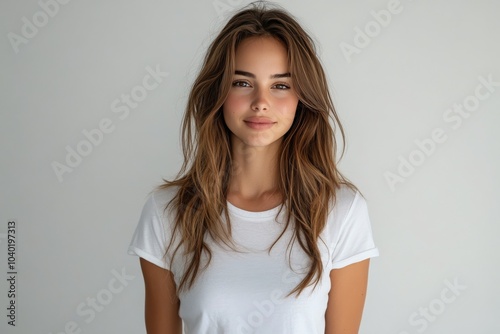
x=346 y=298
x=162 y=304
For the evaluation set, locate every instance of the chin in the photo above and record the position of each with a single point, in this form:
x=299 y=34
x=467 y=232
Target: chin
x=260 y=143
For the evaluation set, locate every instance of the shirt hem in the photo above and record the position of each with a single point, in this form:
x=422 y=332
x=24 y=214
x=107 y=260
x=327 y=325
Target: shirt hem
x=374 y=252
x=148 y=257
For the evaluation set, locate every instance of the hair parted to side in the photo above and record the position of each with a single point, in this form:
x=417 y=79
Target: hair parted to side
x=307 y=164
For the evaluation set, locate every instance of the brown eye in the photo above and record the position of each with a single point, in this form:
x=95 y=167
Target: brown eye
x=281 y=86
x=241 y=84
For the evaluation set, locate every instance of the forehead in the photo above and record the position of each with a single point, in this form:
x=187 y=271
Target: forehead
x=261 y=52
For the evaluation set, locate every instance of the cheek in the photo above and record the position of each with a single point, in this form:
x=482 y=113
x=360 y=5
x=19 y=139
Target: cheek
x=288 y=108
x=234 y=104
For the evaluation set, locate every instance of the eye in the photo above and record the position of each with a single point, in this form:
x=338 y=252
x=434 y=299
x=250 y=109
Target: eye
x=240 y=83
x=281 y=86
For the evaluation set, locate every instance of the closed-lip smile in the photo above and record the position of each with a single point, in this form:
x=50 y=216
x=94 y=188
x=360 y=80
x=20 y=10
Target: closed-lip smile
x=259 y=120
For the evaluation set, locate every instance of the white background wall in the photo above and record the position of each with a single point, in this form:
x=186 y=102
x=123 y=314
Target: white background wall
x=437 y=226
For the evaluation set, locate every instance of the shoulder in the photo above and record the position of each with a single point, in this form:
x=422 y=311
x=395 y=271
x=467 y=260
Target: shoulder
x=349 y=211
x=154 y=230
x=154 y=213
x=348 y=231
x=346 y=200
x=159 y=198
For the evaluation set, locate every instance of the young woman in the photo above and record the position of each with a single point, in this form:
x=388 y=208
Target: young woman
x=259 y=232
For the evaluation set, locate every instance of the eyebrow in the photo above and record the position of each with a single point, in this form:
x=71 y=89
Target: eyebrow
x=274 y=76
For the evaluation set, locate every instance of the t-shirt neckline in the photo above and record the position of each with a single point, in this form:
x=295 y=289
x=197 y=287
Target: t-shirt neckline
x=252 y=214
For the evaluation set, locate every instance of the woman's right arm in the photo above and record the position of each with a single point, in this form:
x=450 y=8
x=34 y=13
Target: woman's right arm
x=162 y=304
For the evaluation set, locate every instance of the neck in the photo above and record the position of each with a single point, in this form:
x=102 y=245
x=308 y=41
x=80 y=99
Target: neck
x=255 y=171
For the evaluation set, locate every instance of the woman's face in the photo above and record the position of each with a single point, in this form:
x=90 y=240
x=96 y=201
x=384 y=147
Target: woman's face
x=261 y=104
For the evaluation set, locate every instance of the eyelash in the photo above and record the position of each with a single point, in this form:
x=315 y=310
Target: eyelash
x=238 y=82
x=284 y=85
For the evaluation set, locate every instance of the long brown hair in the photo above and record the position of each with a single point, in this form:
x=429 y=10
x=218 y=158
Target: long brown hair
x=308 y=169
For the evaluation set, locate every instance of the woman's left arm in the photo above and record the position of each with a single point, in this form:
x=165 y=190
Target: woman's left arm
x=346 y=298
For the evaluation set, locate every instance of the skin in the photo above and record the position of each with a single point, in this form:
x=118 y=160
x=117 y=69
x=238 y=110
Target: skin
x=256 y=91
x=346 y=298
x=161 y=304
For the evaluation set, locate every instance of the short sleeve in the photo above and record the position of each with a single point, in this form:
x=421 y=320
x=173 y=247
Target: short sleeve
x=149 y=240
x=355 y=240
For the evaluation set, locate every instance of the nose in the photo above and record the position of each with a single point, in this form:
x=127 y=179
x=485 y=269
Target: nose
x=260 y=101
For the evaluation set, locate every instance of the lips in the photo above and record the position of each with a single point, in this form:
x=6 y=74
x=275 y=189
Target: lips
x=259 y=120
x=259 y=123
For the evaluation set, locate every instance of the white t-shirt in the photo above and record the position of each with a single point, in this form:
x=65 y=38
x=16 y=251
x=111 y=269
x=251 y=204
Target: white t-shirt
x=244 y=292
